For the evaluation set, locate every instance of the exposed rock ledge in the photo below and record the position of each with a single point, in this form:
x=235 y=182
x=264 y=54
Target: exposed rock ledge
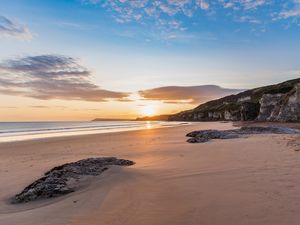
x=206 y=135
x=66 y=178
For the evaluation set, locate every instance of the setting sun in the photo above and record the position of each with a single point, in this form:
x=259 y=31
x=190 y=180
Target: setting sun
x=148 y=110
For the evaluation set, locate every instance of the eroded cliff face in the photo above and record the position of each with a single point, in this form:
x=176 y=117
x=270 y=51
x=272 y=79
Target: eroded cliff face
x=244 y=111
x=280 y=102
x=281 y=107
x=268 y=105
x=290 y=111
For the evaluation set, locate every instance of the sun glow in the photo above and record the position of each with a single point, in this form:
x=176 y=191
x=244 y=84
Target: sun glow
x=148 y=125
x=148 y=110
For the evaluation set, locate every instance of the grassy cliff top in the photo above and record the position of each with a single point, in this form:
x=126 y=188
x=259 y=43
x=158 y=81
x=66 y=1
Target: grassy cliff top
x=232 y=102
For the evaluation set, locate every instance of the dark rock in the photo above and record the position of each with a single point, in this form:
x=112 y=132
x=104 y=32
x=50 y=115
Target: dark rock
x=206 y=135
x=66 y=178
x=267 y=130
x=249 y=111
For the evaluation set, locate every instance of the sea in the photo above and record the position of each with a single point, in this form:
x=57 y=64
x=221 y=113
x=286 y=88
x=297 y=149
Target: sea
x=21 y=131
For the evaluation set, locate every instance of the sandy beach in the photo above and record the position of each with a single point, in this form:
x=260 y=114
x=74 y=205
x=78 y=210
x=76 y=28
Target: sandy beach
x=245 y=181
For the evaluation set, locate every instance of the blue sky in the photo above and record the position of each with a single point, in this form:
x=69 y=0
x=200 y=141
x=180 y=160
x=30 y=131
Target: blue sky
x=140 y=45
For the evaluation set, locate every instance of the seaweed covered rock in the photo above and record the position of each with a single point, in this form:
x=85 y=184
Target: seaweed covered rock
x=66 y=178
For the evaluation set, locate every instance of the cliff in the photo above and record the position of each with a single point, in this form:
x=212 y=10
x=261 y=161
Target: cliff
x=280 y=102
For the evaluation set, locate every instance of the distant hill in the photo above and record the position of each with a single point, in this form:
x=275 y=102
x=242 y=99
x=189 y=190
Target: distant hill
x=154 y=118
x=109 y=119
x=279 y=102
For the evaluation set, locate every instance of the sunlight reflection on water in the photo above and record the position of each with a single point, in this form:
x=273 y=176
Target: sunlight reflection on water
x=10 y=132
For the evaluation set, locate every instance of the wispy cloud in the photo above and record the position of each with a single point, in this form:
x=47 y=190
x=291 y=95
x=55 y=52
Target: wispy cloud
x=140 y=10
x=203 y=4
x=289 y=10
x=52 y=77
x=249 y=19
x=243 y=4
x=11 y=29
x=8 y=107
x=39 y=106
x=186 y=94
x=295 y=12
x=171 y=16
x=75 y=26
x=161 y=12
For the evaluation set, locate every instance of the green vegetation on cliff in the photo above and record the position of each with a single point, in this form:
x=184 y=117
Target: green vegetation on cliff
x=242 y=106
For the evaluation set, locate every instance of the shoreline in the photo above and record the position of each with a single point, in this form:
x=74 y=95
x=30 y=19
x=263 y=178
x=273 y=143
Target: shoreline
x=180 y=123
x=61 y=134
x=172 y=182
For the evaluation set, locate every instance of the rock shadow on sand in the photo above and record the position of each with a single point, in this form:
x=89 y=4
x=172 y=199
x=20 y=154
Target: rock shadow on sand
x=67 y=178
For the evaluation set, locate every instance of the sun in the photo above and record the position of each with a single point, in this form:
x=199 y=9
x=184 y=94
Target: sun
x=148 y=110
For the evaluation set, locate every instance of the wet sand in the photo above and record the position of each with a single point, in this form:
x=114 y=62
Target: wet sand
x=254 y=180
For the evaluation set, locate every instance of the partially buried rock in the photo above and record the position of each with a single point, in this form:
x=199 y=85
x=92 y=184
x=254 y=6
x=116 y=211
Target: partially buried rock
x=65 y=179
x=206 y=135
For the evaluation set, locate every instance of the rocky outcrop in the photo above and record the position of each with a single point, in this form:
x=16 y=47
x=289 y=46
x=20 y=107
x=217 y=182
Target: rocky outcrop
x=281 y=107
x=67 y=178
x=268 y=105
x=242 y=111
x=249 y=111
x=290 y=109
x=207 y=135
x=280 y=102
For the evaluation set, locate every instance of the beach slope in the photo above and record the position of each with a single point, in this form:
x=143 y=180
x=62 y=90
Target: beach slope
x=246 y=181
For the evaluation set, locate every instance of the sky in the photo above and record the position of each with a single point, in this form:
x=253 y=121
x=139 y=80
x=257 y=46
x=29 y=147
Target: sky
x=85 y=59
